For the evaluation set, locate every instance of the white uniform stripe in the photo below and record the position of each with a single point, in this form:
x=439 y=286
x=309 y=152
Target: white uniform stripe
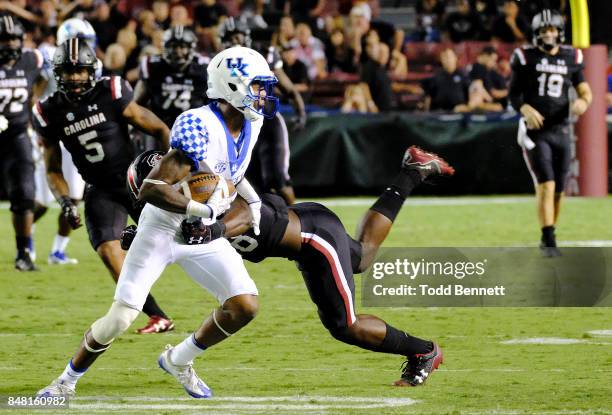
x=38 y=116
x=10 y=26
x=337 y=266
x=285 y=145
x=144 y=67
x=579 y=56
x=531 y=172
x=40 y=60
x=521 y=56
x=117 y=86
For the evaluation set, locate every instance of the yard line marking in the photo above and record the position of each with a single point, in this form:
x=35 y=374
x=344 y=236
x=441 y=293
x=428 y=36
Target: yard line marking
x=600 y=332
x=587 y=243
x=275 y=398
x=551 y=341
x=245 y=404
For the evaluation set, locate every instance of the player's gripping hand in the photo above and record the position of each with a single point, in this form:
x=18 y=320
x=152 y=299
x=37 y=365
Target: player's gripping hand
x=70 y=212
x=533 y=118
x=197 y=233
x=127 y=236
x=219 y=201
x=579 y=106
x=255 y=208
x=299 y=123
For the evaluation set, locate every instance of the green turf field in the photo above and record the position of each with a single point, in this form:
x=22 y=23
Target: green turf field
x=286 y=363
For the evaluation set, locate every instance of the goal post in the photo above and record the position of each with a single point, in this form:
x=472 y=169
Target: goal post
x=592 y=128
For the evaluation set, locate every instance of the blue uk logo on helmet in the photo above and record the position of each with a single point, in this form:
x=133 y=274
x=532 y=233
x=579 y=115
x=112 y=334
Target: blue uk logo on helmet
x=236 y=67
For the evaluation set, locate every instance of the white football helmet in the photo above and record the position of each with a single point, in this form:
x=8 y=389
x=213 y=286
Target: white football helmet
x=77 y=27
x=231 y=74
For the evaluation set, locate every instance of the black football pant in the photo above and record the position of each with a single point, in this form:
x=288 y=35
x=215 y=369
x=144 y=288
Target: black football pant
x=550 y=158
x=17 y=170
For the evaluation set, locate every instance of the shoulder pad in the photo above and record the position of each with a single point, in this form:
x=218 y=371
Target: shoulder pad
x=518 y=57
x=201 y=59
x=35 y=55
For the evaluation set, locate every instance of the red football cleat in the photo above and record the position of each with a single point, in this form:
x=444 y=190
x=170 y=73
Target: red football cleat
x=426 y=163
x=157 y=324
x=417 y=369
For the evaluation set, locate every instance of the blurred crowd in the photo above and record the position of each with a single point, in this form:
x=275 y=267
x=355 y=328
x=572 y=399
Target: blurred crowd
x=339 y=53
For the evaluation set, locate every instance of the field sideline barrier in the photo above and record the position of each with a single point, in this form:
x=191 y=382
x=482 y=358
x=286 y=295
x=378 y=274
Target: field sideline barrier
x=344 y=154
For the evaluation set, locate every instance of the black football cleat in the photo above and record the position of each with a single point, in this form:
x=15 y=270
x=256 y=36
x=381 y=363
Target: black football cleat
x=417 y=369
x=23 y=262
x=426 y=163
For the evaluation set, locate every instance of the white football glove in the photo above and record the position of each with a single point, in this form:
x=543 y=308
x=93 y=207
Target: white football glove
x=219 y=201
x=522 y=138
x=249 y=194
x=255 y=208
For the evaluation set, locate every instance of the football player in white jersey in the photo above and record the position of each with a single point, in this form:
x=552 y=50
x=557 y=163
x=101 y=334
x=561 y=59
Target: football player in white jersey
x=217 y=138
x=74 y=27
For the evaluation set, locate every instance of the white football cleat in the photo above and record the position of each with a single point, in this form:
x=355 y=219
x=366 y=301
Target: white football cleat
x=186 y=376
x=56 y=388
x=60 y=258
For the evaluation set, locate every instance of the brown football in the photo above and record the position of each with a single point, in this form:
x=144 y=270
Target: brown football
x=201 y=186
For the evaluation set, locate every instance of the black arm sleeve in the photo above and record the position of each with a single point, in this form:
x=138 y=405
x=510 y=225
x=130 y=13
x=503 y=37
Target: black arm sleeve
x=273 y=154
x=517 y=83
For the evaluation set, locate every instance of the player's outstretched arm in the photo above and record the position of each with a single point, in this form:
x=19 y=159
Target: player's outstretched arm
x=287 y=86
x=57 y=182
x=238 y=219
x=143 y=119
x=585 y=97
x=141 y=92
x=53 y=163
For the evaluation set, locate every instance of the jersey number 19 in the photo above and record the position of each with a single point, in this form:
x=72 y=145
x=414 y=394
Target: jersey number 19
x=551 y=85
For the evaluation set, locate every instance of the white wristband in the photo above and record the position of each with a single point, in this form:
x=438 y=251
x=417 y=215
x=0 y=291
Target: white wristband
x=199 y=209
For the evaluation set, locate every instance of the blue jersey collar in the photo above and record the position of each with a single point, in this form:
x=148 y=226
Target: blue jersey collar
x=236 y=149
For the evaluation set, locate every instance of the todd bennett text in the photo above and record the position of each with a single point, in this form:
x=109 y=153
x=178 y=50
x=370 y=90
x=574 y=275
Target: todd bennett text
x=439 y=290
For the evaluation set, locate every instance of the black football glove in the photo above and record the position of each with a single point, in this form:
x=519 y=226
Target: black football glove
x=127 y=236
x=70 y=212
x=196 y=233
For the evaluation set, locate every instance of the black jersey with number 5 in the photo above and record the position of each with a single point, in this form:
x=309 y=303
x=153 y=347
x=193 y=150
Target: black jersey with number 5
x=171 y=91
x=93 y=130
x=544 y=80
x=16 y=84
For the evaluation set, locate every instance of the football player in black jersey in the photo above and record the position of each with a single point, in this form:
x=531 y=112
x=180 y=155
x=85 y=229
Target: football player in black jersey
x=542 y=75
x=327 y=256
x=174 y=81
x=90 y=117
x=20 y=71
x=269 y=168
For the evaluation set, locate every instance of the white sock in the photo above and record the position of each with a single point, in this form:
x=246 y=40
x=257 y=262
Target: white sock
x=60 y=243
x=186 y=351
x=70 y=376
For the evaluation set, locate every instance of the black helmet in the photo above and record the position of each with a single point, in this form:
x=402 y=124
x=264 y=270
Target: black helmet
x=547 y=18
x=230 y=28
x=10 y=28
x=74 y=54
x=139 y=169
x=179 y=37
